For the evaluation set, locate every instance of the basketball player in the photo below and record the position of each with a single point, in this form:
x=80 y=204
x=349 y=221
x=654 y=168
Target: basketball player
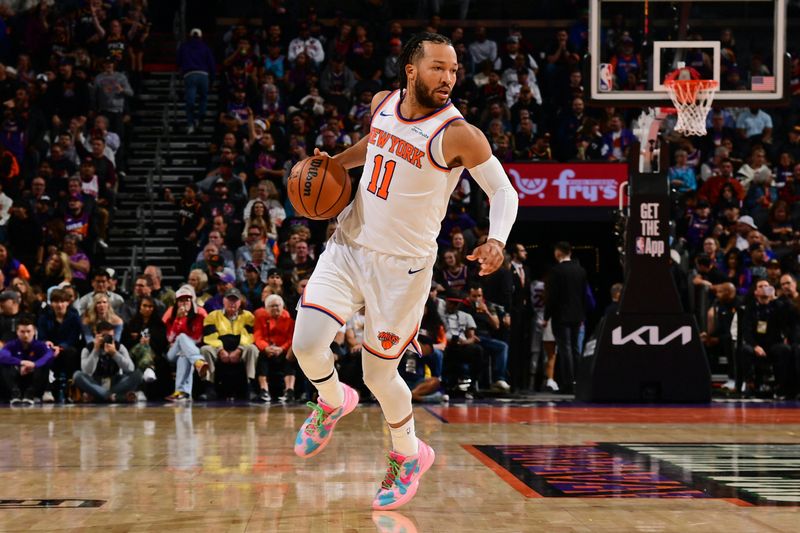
x=381 y=256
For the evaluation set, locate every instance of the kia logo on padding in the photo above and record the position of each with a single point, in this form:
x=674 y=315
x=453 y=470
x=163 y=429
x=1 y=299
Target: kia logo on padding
x=651 y=336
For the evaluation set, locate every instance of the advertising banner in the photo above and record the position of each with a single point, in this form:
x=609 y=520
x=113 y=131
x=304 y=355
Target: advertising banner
x=567 y=184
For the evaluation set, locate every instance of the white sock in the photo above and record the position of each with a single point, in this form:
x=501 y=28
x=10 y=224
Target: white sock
x=404 y=439
x=331 y=391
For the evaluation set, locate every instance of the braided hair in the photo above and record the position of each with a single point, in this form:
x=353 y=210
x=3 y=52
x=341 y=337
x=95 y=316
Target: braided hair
x=413 y=50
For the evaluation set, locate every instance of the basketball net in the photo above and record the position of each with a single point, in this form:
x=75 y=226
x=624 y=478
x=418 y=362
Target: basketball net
x=692 y=98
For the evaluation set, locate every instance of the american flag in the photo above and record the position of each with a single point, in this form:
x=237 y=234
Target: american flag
x=763 y=83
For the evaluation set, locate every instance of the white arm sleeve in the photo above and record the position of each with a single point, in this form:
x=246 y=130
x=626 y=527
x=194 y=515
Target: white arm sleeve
x=503 y=199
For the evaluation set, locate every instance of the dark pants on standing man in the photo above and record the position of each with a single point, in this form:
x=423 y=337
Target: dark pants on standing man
x=195 y=85
x=569 y=351
x=519 y=349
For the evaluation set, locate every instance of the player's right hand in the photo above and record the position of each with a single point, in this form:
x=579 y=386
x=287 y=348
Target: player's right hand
x=489 y=256
x=317 y=152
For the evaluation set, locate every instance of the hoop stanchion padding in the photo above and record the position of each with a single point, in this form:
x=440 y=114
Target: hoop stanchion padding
x=692 y=100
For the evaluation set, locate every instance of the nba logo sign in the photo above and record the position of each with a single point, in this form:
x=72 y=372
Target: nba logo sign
x=640 y=245
x=606 y=77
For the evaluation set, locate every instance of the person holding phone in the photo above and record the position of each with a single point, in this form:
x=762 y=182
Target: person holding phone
x=184 y=322
x=107 y=372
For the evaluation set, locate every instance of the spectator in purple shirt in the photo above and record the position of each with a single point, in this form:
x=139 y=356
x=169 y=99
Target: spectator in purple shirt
x=196 y=62
x=24 y=364
x=456 y=219
x=225 y=282
x=700 y=225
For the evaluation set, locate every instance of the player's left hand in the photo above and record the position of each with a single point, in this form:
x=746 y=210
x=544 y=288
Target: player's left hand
x=489 y=255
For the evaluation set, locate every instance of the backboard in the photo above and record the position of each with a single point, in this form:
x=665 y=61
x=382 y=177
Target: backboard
x=634 y=44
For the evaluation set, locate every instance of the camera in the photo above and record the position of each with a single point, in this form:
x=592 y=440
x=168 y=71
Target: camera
x=108 y=339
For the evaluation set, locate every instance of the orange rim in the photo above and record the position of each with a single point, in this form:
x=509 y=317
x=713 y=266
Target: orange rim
x=685 y=91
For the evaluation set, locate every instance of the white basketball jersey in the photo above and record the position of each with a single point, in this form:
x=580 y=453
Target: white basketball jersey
x=404 y=190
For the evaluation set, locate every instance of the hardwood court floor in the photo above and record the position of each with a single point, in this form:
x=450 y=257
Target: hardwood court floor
x=537 y=467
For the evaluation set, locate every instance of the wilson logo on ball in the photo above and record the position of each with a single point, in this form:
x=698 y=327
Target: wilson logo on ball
x=311 y=176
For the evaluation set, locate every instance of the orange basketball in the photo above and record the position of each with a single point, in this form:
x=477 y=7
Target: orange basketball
x=319 y=188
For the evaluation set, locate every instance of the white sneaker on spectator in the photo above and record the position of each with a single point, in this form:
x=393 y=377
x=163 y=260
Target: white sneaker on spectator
x=502 y=385
x=102 y=243
x=729 y=386
x=16 y=400
x=140 y=397
x=47 y=397
x=190 y=130
x=148 y=375
x=551 y=385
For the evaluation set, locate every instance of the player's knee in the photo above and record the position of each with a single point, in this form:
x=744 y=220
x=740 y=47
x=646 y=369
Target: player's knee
x=376 y=378
x=307 y=345
x=313 y=334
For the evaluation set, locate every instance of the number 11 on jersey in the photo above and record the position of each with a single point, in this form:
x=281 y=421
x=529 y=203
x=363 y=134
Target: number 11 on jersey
x=388 y=171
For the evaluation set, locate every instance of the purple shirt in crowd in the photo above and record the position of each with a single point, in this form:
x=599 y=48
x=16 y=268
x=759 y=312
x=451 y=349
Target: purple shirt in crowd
x=13 y=353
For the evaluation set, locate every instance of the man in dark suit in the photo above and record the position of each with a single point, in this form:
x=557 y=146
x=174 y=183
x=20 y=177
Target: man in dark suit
x=565 y=294
x=520 y=312
x=769 y=328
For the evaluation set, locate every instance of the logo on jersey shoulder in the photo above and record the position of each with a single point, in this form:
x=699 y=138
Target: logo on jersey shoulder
x=418 y=131
x=388 y=339
x=385 y=114
x=396 y=145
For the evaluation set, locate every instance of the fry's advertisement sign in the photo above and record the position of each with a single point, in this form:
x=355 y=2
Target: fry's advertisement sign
x=567 y=184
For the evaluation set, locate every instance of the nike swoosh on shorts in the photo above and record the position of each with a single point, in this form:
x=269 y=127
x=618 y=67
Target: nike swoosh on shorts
x=415 y=271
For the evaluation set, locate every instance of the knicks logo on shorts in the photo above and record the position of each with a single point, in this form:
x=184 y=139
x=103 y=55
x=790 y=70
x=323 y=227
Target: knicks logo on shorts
x=388 y=339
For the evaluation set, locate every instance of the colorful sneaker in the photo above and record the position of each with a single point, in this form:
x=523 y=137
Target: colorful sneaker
x=402 y=478
x=316 y=431
x=178 y=396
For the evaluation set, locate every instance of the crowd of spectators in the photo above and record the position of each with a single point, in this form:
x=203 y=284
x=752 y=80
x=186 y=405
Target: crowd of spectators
x=69 y=72
x=288 y=86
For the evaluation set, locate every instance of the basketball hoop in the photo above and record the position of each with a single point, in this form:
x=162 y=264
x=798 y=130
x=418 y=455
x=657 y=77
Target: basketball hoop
x=692 y=100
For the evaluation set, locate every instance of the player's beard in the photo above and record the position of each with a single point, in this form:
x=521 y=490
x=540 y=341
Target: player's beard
x=424 y=96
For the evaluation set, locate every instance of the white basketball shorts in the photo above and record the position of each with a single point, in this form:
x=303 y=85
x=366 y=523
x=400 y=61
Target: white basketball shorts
x=391 y=289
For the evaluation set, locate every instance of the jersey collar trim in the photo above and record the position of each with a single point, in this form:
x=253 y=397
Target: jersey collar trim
x=432 y=114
